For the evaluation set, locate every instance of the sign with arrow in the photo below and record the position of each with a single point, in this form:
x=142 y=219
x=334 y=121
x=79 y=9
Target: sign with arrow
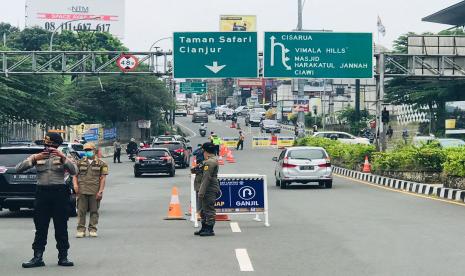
x=215 y=55
x=193 y=87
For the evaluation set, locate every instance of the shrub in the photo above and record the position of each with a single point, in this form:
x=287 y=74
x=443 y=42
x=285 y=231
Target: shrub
x=454 y=164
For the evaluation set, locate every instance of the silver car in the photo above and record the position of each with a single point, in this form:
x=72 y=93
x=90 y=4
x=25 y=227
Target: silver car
x=303 y=165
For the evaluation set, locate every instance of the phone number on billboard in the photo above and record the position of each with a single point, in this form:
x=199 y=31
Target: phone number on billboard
x=75 y=26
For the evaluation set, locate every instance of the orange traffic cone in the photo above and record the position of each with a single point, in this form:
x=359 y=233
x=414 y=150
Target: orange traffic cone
x=223 y=150
x=220 y=160
x=174 y=211
x=366 y=165
x=194 y=162
x=222 y=218
x=230 y=157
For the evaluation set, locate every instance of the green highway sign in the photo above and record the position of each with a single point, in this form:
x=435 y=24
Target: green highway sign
x=318 y=55
x=193 y=87
x=215 y=55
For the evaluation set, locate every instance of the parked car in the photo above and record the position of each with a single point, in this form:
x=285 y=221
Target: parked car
x=179 y=151
x=270 y=126
x=253 y=119
x=344 y=137
x=443 y=142
x=17 y=190
x=303 y=165
x=242 y=111
x=200 y=117
x=154 y=160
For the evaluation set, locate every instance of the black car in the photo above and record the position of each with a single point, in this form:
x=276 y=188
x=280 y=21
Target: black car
x=17 y=190
x=154 y=160
x=200 y=117
x=179 y=151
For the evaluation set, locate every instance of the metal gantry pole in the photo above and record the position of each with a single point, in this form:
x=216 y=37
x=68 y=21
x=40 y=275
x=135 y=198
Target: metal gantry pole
x=381 y=135
x=300 y=82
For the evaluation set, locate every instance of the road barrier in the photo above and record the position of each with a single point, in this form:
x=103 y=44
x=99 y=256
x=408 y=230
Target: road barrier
x=261 y=142
x=230 y=142
x=284 y=142
x=241 y=194
x=272 y=141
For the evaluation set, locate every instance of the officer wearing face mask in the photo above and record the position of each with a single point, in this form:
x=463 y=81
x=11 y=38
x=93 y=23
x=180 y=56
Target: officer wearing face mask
x=89 y=184
x=52 y=198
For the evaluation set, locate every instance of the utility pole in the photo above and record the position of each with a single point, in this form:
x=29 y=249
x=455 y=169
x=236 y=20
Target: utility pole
x=381 y=135
x=357 y=99
x=300 y=82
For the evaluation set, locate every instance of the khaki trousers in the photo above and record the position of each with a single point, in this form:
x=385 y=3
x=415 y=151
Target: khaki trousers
x=87 y=203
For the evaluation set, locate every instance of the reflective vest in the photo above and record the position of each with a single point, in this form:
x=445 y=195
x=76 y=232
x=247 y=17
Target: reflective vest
x=216 y=140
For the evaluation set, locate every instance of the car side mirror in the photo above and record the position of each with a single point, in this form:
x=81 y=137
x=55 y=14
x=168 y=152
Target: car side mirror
x=275 y=159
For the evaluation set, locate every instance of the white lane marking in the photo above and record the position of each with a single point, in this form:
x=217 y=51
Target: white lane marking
x=244 y=261
x=193 y=132
x=235 y=227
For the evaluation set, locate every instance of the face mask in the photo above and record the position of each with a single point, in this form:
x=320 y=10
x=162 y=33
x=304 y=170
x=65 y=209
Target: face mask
x=89 y=154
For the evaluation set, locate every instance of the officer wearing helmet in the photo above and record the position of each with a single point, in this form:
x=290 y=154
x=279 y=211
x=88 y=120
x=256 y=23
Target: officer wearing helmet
x=89 y=184
x=209 y=191
x=52 y=198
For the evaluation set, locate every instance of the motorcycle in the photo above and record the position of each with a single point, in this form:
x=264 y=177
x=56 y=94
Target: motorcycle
x=132 y=155
x=203 y=132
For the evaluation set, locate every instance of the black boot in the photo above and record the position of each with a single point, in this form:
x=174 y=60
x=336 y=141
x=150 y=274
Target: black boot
x=208 y=231
x=201 y=230
x=63 y=258
x=36 y=261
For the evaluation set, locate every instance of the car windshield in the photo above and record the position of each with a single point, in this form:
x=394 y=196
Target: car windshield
x=259 y=110
x=450 y=143
x=169 y=146
x=201 y=113
x=152 y=153
x=12 y=159
x=307 y=154
x=162 y=139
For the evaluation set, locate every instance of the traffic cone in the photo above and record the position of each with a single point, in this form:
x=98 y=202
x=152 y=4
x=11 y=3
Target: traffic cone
x=223 y=150
x=194 y=162
x=366 y=165
x=222 y=218
x=220 y=160
x=233 y=125
x=230 y=157
x=174 y=211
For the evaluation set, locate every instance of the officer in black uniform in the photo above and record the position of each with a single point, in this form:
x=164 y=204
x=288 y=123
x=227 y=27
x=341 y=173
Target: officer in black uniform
x=52 y=198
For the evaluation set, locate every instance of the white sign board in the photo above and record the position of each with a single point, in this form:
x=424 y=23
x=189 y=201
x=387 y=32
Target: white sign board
x=77 y=15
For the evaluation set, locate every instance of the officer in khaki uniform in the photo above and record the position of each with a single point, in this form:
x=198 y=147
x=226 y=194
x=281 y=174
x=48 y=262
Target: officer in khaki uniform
x=209 y=191
x=89 y=185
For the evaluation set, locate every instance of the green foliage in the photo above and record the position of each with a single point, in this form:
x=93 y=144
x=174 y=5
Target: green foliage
x=427 y=157
x=349 y=116
x=454 y=164
x=346 y=155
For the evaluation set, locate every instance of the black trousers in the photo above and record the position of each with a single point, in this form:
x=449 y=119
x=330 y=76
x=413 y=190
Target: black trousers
x=240 y=144
x=51 y=203
x=117 y=155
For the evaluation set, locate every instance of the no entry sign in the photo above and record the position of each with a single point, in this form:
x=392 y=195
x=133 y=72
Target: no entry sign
x=127 y=62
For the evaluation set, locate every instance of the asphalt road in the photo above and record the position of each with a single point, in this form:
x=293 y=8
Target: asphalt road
x=352 y=229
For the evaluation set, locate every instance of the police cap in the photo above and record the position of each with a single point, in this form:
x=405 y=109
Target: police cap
x=209 y=147
x=53 y=139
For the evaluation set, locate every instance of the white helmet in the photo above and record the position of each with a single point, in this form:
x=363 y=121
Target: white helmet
x=141 y=144
x=133 y=140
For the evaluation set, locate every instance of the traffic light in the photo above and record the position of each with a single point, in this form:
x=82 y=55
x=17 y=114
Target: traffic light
x=385 y=116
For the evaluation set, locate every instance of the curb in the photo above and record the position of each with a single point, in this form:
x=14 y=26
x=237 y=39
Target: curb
x=409 y=186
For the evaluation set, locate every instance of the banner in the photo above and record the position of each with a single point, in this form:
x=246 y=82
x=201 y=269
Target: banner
x=91 y=134
x=238 y=23
x=109 y=133
x=77 y=15
x=230 y=142
x=258 y=142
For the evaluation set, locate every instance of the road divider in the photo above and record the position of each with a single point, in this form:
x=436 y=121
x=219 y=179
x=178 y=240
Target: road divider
x=240 y=194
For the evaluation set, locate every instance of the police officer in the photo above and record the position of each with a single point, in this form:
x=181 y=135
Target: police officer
x=209 y=190
x=216 y=141
x=52 y=199
x=89 y=184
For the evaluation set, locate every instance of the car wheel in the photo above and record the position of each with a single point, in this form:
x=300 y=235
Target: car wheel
x=173 y=172
x=278 y=183
x=284 y=184
x=137 y=173
x=329 y=184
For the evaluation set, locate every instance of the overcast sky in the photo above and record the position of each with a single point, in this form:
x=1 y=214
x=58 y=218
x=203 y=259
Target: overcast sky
x=149 y=20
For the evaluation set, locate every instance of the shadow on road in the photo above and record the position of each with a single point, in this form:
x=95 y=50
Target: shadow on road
x=17 y=214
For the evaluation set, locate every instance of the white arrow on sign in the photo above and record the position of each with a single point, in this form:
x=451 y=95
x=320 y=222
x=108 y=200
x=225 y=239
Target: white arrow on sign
x=215 y=68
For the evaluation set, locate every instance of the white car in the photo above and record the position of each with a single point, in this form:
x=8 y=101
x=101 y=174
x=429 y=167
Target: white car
x=303 y=165
x=242 y=110
x=344 y=137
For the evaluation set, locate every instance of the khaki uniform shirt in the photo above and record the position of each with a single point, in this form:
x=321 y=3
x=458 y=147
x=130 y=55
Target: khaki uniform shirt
x=198 y=177
x=210 y=182
x=50 y=171
x=89 y=175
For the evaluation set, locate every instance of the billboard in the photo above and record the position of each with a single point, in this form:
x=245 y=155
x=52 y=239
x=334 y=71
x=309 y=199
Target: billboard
x=238 y=23
x=77 y=15
x=455 y=117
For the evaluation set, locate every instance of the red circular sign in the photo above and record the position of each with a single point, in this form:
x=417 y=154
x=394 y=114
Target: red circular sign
x=127 y=62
